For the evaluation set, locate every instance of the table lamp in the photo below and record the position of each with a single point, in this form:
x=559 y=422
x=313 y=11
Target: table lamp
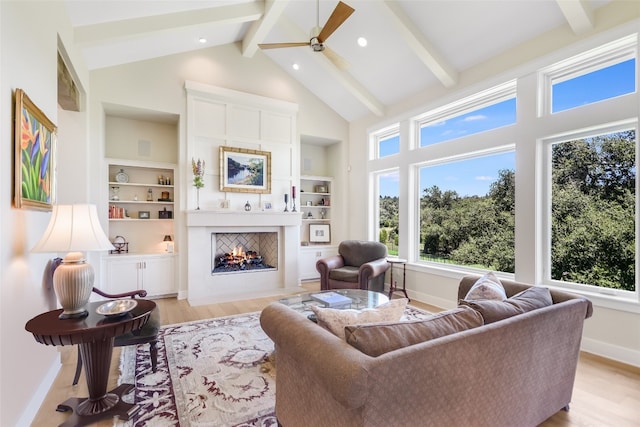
x=169 y=240
x=73 y=229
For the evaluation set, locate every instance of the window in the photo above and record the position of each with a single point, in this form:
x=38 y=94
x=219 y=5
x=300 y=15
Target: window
x=602 y=73
x=487 y=118
x=388 y=205
x=386 y=142
x=467 y=212
x=593 y=200
x=605 y=83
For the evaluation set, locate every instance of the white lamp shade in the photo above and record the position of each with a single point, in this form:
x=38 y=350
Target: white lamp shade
x=73 y=228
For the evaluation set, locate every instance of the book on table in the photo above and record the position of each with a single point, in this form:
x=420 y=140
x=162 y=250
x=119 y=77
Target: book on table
x=332 y=299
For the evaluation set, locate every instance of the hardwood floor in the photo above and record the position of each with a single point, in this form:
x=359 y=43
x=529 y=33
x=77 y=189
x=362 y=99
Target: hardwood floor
x=606 y=393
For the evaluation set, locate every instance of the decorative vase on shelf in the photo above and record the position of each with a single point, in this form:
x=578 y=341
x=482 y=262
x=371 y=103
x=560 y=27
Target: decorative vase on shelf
x=197 y=198
x=247 y=206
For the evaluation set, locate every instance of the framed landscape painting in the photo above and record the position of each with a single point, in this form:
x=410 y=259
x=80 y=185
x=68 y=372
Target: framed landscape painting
x=245 y=171
x=34 y=151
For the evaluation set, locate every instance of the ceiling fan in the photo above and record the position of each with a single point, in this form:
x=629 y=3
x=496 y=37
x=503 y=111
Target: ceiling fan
x=337 y=18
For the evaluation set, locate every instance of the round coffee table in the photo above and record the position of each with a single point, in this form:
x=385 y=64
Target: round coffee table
x=360 y=299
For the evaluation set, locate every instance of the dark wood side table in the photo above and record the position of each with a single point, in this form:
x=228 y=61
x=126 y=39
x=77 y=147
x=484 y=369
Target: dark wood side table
x=393 y=286
x=94 y=335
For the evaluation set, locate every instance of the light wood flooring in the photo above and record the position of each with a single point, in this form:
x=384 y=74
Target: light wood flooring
x=606 y=393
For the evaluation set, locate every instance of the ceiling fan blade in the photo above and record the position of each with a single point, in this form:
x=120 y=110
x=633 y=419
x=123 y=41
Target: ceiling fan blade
x=279 y=45
x=337 y=60
x=339 y=15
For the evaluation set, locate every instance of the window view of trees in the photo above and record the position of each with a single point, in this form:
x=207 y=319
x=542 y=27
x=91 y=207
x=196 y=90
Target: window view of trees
x=388 y=203
x=593 y=211
x=471 y=230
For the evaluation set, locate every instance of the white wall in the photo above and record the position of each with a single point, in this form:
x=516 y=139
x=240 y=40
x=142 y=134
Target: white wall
x=158 y=85
x=610 y=332
x=29 y=34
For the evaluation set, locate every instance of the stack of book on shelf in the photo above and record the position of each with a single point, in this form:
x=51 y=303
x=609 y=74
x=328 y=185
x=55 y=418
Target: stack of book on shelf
x=332 y=299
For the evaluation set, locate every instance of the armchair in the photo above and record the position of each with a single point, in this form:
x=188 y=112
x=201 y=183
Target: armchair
x=359 y=265
x=147 y=334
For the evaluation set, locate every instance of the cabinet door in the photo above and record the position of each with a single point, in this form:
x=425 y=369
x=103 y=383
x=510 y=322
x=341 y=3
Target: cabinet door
x=308 y=258
x=159 y=275
x=123 y=275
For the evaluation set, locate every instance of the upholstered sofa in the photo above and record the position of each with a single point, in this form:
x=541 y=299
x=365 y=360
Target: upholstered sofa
x=518 y=371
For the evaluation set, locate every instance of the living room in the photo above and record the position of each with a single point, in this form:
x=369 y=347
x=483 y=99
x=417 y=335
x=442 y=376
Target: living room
x=158 y=86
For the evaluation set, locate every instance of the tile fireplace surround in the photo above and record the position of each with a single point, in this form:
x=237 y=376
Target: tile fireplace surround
x=205 y=287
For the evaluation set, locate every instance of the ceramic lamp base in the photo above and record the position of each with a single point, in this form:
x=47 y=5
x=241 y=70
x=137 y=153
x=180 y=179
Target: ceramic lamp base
x=73 y=283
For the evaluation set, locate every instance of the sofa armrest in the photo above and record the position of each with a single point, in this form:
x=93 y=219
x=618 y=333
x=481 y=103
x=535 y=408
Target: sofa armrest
x=371 y=269
x=324 y=266
x=314 y=350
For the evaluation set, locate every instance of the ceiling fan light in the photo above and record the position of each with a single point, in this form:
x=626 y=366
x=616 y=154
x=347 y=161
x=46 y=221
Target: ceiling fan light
x=316 y=45
x=362 y=42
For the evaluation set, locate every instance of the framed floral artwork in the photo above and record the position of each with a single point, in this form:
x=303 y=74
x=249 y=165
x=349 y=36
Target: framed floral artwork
x=34 y=155
x=245 y=171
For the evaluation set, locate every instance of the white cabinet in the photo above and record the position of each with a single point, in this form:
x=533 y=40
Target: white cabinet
x=153 y=273
x=309 y=255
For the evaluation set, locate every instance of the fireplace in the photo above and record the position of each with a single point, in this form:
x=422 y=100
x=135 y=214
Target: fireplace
x=244 y=252
x=274 y=236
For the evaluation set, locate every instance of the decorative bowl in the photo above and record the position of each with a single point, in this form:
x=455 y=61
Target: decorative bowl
x=117 y=307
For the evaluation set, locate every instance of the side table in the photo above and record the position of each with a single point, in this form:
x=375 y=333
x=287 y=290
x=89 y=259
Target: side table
x=94 y=336
x=393 y=286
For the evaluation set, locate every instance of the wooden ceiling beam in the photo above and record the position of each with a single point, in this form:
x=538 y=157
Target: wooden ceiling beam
x=259 y=29
x=96 y=34
x=578 y=13
x=419 y=44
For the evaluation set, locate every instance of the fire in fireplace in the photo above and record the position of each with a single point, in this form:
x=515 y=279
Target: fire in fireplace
x=243 y=252
x=239 y=260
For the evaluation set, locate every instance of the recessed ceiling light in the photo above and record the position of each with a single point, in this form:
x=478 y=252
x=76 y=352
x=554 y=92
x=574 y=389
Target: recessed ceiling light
x=202 y=40
x=362 y=41
x=295 y=66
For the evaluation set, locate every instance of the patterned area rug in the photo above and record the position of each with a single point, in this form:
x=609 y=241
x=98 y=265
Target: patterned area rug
x=214 y=372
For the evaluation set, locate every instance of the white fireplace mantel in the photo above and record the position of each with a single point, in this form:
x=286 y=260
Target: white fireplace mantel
x=200 y=218
x=207 y=288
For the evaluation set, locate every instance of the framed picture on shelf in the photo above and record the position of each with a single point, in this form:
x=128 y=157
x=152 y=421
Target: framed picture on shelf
x=144 y=215
x=320 y=233
x=321 y=189
x=245 y=171
x=266 y=206
x=34 y=152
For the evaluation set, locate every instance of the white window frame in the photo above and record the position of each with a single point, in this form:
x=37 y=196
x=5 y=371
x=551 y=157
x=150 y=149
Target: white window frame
x=596 y=59
x=546 y=145
x=482 y=99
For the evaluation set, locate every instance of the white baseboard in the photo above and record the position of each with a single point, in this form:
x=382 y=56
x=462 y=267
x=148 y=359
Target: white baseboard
x=610 y=351
x=33 y=406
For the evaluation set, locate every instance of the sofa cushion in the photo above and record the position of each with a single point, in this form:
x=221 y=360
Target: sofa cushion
x=377 y=339
x=335 y=320
x=487 y=287
x=527 y=300
x=344 y=274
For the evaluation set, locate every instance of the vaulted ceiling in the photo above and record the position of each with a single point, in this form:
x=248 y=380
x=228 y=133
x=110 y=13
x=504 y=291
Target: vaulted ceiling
x=411 y=44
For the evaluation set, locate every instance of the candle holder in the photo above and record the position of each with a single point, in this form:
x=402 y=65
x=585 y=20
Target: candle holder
x=286 y=202
x=293 y=204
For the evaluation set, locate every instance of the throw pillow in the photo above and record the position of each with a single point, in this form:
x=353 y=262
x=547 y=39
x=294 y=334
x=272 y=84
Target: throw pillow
x=487 y=287
x=377 y=339
x=530 y=299
x=335 y=320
